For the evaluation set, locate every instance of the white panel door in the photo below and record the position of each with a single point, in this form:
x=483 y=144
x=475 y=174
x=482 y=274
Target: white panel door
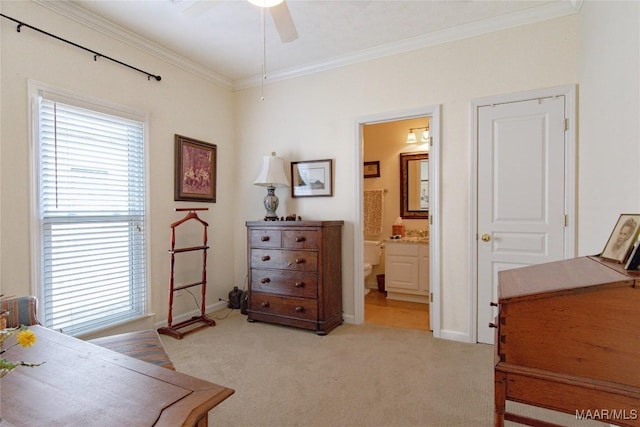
x=521 y=200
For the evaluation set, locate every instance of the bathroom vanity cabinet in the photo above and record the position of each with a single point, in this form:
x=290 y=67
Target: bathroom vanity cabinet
x=295 y=273
x=407 y=271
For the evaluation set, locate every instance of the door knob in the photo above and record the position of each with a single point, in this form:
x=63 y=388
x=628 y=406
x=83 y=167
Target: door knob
x=486 y=237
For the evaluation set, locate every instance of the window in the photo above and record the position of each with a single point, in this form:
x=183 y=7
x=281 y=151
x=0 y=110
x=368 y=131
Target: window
x=91 y=214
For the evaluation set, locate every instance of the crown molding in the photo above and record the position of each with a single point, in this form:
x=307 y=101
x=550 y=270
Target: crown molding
x=537 y=14
x=129 y=38
x=548 y=11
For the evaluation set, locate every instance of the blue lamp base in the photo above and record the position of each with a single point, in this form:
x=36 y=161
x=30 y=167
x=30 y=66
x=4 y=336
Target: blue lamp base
x=271 y=204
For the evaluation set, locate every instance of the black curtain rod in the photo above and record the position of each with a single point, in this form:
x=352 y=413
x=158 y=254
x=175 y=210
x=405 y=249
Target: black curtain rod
x=95 y=54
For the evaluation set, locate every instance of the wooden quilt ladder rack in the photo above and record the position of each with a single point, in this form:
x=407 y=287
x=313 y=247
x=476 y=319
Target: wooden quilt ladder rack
x=174 y=329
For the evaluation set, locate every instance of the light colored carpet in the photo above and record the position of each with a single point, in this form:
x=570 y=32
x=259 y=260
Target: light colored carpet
x=368 y=375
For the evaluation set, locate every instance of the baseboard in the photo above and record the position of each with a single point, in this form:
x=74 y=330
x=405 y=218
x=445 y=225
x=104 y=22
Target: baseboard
x=454 y=336
x=349 y=318
x=186 y=316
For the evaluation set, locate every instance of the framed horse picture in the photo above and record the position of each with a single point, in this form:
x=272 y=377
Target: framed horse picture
x=195 y=170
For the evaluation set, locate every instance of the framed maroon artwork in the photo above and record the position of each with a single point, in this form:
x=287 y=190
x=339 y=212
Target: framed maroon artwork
x=195 y=170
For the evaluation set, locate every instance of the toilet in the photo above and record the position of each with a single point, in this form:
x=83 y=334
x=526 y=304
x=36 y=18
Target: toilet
x=372 y=254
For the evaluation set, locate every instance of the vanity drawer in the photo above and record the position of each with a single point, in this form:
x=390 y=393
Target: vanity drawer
x=402 y=249
x=265 y=238
x=290 y=307
x=289 y=283
x=300 y=239
x=284 y=260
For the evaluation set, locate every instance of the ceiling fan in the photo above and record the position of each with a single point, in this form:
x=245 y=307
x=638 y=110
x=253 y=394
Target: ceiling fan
x=278 y=9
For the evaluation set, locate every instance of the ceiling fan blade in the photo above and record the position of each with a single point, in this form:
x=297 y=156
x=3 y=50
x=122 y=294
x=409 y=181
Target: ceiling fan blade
x=199 y=7
x=284 y=22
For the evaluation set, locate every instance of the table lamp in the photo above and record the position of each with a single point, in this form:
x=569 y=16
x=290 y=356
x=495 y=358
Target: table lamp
x=271 y=176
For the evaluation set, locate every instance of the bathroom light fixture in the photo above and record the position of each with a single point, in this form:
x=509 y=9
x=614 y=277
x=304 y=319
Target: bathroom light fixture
x=412 y=139
x=271 y=176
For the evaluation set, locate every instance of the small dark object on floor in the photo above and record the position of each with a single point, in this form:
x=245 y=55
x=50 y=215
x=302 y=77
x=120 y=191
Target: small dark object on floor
x=235 y=297
x=381 y=284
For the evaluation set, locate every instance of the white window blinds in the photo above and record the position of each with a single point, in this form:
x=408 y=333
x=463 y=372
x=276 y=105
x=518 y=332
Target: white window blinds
x=92 y=217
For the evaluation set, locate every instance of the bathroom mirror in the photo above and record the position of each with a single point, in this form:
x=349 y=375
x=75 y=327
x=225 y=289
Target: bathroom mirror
x=414 y=185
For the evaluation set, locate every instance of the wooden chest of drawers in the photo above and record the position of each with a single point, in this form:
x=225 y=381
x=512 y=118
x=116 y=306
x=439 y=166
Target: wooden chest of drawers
x=568 y=340
x=295 y=273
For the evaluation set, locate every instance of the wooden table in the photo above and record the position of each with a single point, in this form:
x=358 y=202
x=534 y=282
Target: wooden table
x=82 y=384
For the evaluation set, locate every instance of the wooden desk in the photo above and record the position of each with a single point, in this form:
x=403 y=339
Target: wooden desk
x=82 y=384
x=567 y=340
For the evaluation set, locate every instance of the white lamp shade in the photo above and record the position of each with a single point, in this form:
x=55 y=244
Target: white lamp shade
x=425 y=136
x=272 y=173
x=411 y=138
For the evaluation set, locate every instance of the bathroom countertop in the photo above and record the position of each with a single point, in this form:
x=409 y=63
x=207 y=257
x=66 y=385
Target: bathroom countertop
x=422 y=240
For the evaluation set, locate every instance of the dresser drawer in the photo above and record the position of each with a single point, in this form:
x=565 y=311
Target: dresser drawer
x=288 y=283
x=284 y=260
x=300 y=239
x=265 y=238
x=290 y=307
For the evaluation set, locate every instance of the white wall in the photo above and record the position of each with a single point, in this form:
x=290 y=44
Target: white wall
x=609 y=143
x=181 y=103
x=314 y=117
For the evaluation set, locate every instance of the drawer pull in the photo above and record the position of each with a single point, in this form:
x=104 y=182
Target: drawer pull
x=300 y=239
x=265 y=238
x=299 y=285
x=299 y=309
x=493 y=304
x=299 y=260
x=266 y=257
x=492 y=325
x=265 y=280
x=264 y=304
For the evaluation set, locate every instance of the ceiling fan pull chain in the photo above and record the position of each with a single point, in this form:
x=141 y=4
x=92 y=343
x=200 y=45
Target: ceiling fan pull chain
x=264 y=56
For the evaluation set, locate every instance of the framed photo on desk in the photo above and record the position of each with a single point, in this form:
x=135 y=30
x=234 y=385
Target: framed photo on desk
x=622 y=238
x=634 y=259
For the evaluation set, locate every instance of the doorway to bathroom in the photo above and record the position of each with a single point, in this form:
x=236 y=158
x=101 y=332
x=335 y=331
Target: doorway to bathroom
x=412 y=298
x=400 y=314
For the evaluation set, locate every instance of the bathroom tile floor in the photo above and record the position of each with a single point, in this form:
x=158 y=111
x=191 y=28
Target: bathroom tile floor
x=401 y=314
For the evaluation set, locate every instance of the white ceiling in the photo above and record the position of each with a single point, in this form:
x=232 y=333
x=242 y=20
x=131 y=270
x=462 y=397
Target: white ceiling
x=223 y=38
